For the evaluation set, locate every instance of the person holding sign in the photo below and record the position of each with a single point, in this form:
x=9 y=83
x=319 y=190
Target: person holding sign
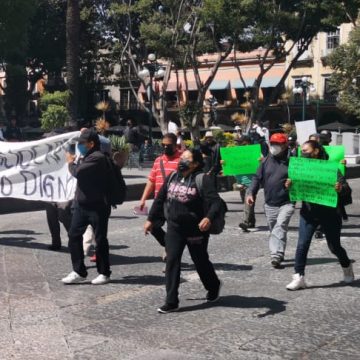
x=311 y=216
x=271 y=175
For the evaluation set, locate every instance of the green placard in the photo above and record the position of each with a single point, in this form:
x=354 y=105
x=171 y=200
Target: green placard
x=337 y=154
x=240 y=160
x=313 y=181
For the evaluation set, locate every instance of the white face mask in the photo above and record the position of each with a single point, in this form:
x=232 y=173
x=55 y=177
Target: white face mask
x=276 y=150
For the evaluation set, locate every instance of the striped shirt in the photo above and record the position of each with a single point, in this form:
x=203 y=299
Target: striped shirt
x=170 y=165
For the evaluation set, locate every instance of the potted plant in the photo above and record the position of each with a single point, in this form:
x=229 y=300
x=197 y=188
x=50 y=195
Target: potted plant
x=120 y=148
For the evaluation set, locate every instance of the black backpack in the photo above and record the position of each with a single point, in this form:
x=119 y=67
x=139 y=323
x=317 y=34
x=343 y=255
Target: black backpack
x=116 y=187
x=218 y=223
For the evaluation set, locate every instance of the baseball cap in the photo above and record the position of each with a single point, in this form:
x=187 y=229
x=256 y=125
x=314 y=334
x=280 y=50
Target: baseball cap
x=209 y=134
x=278 y=138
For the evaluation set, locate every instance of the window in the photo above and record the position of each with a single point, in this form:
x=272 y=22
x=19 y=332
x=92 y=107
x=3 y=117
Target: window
x=333 y=39
x=128 y=100
x=220 y=95
x=193 y=94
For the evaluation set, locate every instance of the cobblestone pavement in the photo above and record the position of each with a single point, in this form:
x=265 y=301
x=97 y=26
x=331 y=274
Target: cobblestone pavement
x=256 y=318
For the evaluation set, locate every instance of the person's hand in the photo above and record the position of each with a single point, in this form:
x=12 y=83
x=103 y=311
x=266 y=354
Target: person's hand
x=288 y=183
x=148 y=227
x=204 y=224
x=338 y=187
x=222 y=162
x=343 y=162
x=261 y=158
x=250 y=200
x=70 y=158
x=142 y=204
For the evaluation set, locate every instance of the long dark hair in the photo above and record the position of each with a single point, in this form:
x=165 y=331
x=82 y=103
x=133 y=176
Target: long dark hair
x=322 y=155
x=197 y=157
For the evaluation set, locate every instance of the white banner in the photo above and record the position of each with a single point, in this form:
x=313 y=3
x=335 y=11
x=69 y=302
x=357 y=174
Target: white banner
x=304 y=129
x=37 y=170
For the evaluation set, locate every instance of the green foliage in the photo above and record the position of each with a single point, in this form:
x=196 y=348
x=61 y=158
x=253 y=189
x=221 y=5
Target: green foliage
x=56 y=98
x=225 y=139
x=346 y=79
x=188 y=112
x=55 y=116
x=118 y=143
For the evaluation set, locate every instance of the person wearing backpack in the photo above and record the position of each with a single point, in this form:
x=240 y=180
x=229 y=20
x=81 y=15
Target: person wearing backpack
x=272 y=175
x=190 y=213
x=91 y=207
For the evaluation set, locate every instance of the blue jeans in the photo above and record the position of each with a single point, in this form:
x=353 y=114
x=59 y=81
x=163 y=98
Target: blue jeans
x=331 y=224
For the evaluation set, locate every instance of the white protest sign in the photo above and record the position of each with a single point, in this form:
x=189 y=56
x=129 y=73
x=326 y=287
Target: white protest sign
x=37 y=170
x=304 y=129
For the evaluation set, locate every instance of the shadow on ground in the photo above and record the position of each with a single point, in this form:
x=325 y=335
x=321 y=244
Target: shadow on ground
x=235 y=301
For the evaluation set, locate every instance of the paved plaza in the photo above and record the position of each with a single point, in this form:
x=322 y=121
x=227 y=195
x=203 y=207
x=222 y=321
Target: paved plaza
x=256 y=318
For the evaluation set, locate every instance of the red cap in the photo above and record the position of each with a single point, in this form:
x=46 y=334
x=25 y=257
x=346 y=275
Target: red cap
x=279 y=138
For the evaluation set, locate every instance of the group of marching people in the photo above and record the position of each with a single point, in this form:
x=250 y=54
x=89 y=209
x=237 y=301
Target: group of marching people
x=186 y=198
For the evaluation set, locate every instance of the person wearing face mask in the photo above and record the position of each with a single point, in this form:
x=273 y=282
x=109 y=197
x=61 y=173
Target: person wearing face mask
x=163 y=166
x=90 y=208
x=188 y=225
x=271 y=175
x=313 y=215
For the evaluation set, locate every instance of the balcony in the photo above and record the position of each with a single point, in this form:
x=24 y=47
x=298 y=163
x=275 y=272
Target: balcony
x=330 y=98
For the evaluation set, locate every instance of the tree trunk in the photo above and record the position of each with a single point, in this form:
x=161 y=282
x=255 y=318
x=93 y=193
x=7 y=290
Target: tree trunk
x=72 y=56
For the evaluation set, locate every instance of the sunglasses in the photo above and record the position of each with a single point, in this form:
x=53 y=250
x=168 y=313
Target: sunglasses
x=166 y=145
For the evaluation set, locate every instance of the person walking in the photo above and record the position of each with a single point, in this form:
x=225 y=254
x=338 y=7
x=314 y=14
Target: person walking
x=272 y=175
x=90 y=208
x=188 y=225
x=313 y=215
x=163 y=166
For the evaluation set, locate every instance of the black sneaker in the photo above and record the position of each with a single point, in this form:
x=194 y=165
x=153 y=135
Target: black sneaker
x=167 y=308
x=213 y=296
x=244 y=227
x=319 y=234
x=275 y=262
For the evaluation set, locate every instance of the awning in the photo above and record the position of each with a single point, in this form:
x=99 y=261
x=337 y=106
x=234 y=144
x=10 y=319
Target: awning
x=173 y=86
x=219 y=85
x=190 y=86
x=268 y=82
x=238 y=84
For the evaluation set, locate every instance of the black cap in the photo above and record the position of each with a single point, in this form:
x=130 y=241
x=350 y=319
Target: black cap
x=88 y=135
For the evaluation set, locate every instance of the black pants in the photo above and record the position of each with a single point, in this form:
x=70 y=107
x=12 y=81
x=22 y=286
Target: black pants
x=175 y=244
x=98 y=219
x=331 y=226
x=56 y=213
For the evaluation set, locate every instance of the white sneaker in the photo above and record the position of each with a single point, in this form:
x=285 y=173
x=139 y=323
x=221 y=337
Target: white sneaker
x=348 y=274
x=101 y=280
x=73 y=278
x=298 y=282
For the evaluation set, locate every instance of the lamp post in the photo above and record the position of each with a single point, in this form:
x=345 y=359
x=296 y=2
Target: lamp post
x=302 y=89
x=151 y=70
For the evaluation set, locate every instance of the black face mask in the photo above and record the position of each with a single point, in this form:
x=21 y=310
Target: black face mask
x=184 y=165
x=306 y=155
x=169 y=151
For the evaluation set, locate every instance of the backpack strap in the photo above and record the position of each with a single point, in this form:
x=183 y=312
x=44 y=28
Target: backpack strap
x=162 y=168
x=199 y=179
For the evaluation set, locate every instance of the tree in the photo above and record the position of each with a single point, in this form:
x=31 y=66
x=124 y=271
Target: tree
x=276 y=31
x=72 y=56
x=176 y=32
x=15 y=17
x=346 y=78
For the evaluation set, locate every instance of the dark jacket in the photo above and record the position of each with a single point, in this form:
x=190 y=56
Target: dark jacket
x=91 y=174
x=272 y=175
x=184 y=205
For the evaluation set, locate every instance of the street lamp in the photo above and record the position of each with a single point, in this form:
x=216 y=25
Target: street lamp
x=152 y=71
x=302 y=89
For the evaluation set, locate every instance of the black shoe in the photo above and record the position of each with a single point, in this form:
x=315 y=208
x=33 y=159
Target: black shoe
x=244 y=227
x=167 y=308
x=213 y=296
x=54 y=247
x=275 y=262
x=319 y=234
